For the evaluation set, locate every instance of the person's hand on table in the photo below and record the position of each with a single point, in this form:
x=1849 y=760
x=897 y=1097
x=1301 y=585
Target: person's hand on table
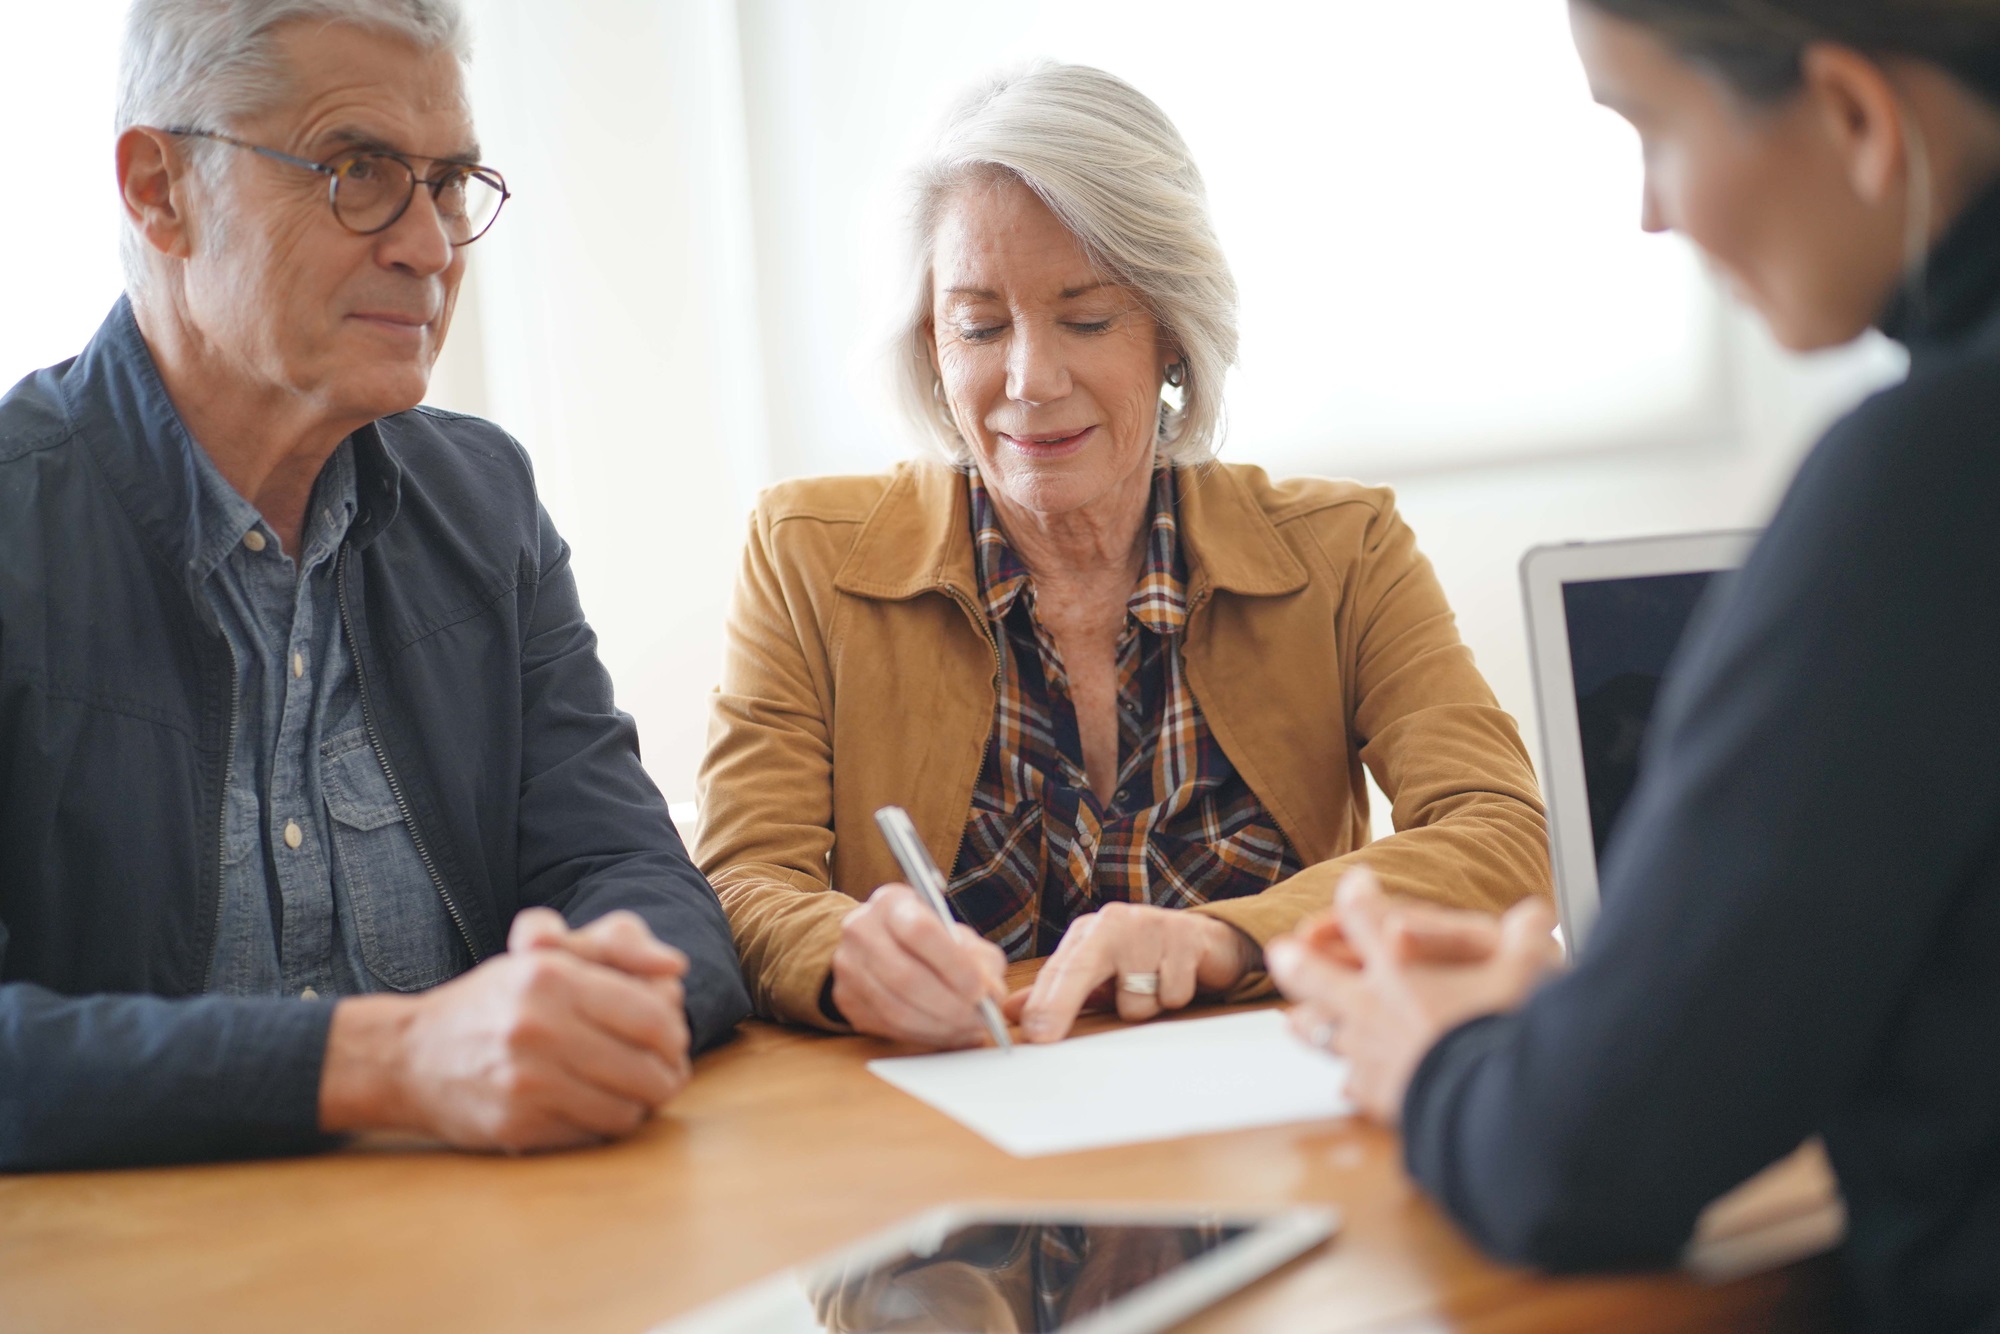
x=571 y=1037
x=1144 y=959
x=1378 y=980
x=901 y=973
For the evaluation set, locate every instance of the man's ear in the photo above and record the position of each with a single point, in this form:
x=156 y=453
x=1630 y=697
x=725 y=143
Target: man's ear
x=1863 y=118
x=152 y=177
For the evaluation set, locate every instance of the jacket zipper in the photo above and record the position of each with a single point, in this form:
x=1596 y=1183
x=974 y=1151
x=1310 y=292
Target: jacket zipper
x=382 y=758
x=980 y=624
x=222 y=832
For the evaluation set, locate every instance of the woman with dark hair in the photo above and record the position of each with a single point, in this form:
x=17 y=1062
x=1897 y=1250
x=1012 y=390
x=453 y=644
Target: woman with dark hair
x=1801 y=911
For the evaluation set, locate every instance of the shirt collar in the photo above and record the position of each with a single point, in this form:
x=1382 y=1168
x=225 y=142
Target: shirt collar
x=1159 y=599
x=221 y=517
x=119 y=409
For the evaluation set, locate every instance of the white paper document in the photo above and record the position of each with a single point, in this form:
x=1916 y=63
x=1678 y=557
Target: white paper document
x=1150 y=1082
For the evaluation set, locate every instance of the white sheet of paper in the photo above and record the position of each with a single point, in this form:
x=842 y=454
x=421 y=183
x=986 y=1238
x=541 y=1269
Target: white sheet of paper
x=1149 y=1082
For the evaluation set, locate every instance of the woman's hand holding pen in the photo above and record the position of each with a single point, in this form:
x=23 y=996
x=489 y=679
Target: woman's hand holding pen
x=900 y=973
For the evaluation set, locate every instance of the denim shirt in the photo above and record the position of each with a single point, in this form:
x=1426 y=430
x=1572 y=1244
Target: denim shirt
x=323 y=891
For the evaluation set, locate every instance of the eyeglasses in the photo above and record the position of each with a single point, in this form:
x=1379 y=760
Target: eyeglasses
x=369 y=189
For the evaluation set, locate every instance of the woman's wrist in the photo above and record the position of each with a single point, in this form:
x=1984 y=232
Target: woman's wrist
x=1234 y=952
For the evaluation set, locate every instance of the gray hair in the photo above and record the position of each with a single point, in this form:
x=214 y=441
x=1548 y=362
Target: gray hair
x=1115 y=171
x=209 y=63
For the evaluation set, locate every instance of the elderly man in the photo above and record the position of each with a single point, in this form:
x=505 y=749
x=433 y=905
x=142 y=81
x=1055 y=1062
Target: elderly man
x=299 y=713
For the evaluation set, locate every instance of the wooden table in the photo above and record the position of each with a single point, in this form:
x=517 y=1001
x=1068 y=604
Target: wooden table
x=783 y=1148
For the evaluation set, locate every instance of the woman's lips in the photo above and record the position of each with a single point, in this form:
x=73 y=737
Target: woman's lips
x=1049 y=444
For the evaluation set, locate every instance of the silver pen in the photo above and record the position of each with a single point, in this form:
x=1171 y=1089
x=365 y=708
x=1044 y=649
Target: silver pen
x=928 y=881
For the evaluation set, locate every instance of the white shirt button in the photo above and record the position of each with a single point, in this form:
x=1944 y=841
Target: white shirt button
x=293 y=834
x=308 y=994
x=254 y=540
x=298 y=664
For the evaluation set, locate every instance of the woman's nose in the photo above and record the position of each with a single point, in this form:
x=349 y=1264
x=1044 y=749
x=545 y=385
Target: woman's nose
x=1037 y=371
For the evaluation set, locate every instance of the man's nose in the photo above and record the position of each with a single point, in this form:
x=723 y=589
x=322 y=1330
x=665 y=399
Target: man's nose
x=417 y=242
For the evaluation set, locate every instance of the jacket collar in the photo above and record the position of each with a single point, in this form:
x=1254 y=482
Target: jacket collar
x=918 y=539
x=1957 y=291
x=119 y=409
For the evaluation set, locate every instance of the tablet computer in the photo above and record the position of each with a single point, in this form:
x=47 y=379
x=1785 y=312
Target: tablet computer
x=1079 y=1269
x=1604 y=620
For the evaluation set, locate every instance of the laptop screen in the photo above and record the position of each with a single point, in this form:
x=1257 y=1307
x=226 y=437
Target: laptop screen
x=1622 y=632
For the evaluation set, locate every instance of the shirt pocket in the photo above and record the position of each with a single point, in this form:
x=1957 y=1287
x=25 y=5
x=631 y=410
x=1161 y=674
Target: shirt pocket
x=405 y=936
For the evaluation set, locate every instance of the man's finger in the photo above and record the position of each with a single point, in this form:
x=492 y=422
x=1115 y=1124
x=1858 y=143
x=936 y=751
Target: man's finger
x=626 y=1008
x=534 y=928
x=591 y=1056
x=599 y=1113
x=622 y=940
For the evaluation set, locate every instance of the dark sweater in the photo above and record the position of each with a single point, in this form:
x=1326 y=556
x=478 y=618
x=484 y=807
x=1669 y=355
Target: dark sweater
x=1801 y=916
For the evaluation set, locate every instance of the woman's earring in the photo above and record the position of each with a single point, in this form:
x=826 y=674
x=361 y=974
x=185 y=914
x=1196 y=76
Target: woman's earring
x=944 y=409
x=1177 y=374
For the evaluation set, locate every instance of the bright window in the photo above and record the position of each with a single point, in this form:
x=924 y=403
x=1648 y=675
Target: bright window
x=1434 y=229
x=59 y=215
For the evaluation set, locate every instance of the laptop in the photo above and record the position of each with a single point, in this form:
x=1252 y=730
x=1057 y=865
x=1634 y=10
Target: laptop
x=1604 y=619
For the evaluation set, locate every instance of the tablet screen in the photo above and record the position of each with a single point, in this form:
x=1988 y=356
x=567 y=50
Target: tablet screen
x=1011 y=1276
x=1081 y=1269
x=1622 y=634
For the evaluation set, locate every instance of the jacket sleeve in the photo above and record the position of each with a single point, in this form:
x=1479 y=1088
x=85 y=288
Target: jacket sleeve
x=767 y=791
x=1468 y=815
x=594 y=832
x=113 y=1081
x=1801 y=851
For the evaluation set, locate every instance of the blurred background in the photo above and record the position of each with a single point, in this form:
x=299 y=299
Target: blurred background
x=1444 y=287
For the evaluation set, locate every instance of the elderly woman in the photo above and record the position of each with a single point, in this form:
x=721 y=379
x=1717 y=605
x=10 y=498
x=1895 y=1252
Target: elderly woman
x=1125 y=692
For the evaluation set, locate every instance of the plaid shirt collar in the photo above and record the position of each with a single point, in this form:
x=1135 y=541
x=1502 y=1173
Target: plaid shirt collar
x=1159 y=599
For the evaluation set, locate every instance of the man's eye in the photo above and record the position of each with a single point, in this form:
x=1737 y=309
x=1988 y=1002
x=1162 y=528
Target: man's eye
x=451 y=196
x=362 y=169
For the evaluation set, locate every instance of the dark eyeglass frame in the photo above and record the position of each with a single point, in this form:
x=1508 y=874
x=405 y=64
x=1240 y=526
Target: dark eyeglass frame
x=332 y=170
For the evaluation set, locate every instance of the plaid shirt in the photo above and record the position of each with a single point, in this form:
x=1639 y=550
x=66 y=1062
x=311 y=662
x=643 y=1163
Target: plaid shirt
x=1183 y=826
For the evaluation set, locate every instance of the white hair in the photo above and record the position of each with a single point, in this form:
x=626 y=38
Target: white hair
x=1116 y=173
x=207 y=64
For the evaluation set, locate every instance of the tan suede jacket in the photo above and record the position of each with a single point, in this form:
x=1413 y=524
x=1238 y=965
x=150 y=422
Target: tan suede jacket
x=859 y=673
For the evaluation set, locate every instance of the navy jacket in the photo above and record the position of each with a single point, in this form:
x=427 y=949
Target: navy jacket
x=1801 y=905
x=482 y=683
